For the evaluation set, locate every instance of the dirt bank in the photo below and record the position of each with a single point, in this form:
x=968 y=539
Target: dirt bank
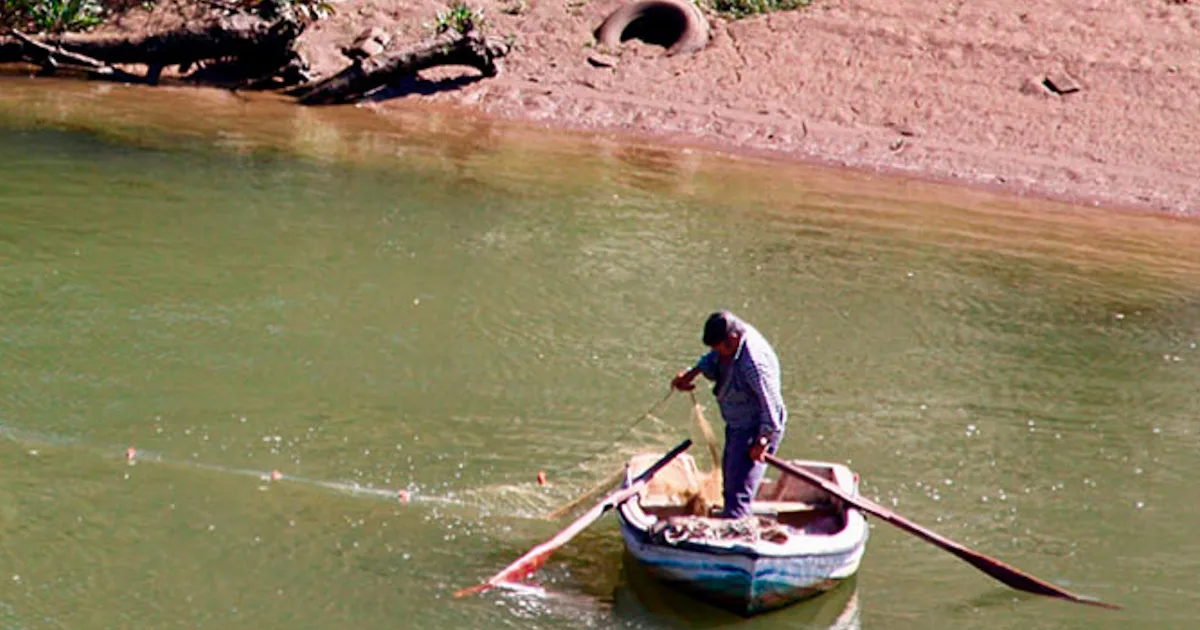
x=929 y=88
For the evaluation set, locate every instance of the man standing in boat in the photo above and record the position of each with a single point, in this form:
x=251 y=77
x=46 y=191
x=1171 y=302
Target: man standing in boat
x=745 y=373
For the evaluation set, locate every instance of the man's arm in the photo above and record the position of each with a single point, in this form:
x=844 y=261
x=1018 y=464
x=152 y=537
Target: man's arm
x=707 y=365
x=683 y=380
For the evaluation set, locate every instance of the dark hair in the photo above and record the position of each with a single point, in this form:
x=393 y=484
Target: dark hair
x=719 y=326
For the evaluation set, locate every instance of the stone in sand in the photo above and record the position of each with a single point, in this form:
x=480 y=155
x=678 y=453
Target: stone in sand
x=1062 y=83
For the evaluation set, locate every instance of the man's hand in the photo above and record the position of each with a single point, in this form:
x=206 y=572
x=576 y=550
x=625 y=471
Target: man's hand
x=758 y=450
x=683 y=381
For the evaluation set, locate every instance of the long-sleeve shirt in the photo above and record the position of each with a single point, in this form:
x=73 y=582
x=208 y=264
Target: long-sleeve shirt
x=748 y=388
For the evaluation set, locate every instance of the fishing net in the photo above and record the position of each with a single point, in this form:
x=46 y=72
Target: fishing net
x=706 y=495
x=701 y=490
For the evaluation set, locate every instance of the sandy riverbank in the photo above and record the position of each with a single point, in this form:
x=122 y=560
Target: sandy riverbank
x=927 y=88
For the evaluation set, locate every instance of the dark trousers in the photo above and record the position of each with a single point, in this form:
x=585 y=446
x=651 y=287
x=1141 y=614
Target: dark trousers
x=742 y=474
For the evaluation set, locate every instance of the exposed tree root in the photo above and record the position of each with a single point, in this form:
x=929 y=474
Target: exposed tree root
x=362 y=77
x=248 y=51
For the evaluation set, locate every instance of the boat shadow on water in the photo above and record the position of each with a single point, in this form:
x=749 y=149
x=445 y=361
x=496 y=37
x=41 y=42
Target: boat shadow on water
x=639 y=598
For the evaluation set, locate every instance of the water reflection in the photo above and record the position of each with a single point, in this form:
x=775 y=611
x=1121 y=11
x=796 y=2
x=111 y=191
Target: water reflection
x=246 y=124
x=637 y=600
x=653 y=170
x=640 y=598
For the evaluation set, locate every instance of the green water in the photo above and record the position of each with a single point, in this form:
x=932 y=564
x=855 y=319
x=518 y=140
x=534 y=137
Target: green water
x=368 y=302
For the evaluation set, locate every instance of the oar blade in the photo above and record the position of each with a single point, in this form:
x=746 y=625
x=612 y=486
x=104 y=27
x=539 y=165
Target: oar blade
x=515 y=572
x=1002 y=572
x=1092 y=601
x=1022 y=581
x=533 y=560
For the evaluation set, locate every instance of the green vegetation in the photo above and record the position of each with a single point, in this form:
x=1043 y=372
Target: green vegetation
x=301 y=11
x=460 y=18
x=57 y=16
x=743 y=8
x=50 y=16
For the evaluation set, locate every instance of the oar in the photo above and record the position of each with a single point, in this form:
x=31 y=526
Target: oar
x=1002 y=572
x=536 y=557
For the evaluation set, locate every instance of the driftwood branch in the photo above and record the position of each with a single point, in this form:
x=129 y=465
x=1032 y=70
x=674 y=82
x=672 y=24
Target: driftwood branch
x=240 y=35
x=260 y=46
x=362 y=77
x=245 y=50
x=52 y=56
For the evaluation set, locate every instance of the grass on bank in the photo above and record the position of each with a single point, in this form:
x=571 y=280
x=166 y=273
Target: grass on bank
x=745 y=8
x=50 y=16
x=459 y=18
x=60 y=16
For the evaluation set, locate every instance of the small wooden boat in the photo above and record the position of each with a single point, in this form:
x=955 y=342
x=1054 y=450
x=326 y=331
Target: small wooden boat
x=800 y=541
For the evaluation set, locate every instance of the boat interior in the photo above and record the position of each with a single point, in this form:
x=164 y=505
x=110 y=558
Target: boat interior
x=680 y=489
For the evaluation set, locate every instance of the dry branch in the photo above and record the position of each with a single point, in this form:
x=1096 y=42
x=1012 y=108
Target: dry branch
x=52 y=56
x=260 y=45
x=250 y=51
x=238 y=36
x=364 y=76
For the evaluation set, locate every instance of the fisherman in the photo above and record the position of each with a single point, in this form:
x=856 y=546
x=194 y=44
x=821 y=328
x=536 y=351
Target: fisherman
x=745 y=373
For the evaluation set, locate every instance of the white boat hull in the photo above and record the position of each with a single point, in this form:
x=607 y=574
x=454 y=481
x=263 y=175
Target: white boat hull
x=748 y=578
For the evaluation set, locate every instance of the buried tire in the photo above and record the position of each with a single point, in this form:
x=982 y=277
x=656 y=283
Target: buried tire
x=676 y=25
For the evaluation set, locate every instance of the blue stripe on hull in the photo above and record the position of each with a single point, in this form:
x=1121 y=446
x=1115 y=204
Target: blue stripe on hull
x=743 y=583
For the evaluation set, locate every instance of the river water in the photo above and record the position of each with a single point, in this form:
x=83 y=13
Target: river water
x=374 y=301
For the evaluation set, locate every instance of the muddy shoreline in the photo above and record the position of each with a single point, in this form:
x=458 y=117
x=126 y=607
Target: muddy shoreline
x=917 y=90
x=945 y=92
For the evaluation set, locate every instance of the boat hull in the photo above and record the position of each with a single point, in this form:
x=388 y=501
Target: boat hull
x=812 y=547
x=742 y=580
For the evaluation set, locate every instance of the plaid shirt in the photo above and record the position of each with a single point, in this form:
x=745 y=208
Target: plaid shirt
x=748 y=389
